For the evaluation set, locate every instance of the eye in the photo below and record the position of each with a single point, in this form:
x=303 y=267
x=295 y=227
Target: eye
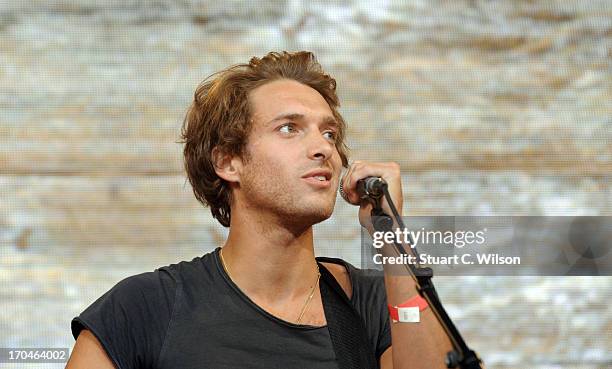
x=287 y=128
x=331 y=135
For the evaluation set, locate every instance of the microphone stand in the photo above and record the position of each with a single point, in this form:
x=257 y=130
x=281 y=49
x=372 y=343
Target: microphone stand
x=461 y=356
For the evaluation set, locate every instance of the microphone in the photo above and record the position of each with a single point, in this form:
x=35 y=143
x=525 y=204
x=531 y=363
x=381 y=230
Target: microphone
x=369 y=187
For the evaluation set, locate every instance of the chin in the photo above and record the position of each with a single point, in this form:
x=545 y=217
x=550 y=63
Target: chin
x=309 y=212
x=321 y=216
x=311 y=216
x=313 y=219
x=325 y=215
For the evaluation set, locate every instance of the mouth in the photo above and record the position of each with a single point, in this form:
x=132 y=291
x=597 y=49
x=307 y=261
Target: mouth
x=319 y=178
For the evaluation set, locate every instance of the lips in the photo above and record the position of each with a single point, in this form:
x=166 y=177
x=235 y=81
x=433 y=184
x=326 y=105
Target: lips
x=319 y=174
x=319 y=177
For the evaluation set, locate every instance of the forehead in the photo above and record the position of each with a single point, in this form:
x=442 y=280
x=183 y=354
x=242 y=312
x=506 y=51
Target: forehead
x=286 y=97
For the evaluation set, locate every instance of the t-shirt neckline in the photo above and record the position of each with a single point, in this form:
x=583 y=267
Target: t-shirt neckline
x=251 y=303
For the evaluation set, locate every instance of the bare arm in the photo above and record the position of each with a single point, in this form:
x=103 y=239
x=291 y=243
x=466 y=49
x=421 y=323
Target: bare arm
x=386 y=359
x=415 y=345
x=88 y=353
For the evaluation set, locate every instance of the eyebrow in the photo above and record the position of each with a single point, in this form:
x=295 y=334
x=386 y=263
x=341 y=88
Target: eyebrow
x=327 y=120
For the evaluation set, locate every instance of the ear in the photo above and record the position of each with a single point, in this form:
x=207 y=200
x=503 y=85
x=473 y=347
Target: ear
x=226 y=166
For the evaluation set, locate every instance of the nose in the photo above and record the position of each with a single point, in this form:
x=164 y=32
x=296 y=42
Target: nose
x=319 y=148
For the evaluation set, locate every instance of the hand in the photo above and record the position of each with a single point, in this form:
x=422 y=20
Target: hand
x=389 y=171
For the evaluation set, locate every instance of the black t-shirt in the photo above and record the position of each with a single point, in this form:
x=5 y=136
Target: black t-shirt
x=191 y=315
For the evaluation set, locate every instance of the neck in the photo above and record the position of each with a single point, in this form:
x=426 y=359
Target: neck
x=269 y=260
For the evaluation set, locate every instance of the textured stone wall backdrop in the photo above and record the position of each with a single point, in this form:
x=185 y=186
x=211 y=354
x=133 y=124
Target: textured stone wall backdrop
x=490 y=107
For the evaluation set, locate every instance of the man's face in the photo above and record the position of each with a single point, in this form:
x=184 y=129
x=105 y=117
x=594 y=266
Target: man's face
x=292 y=166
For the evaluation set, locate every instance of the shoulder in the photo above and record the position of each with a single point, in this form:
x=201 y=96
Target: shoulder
x=201 y=268
x=127 y=300
x=140 y=295
x=131 y=320
x=152 y=287
x=341 y=274
x=148 y=282
x=354 y=281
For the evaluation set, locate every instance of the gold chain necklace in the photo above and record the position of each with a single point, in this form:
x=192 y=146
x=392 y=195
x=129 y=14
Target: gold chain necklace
x=307 y=299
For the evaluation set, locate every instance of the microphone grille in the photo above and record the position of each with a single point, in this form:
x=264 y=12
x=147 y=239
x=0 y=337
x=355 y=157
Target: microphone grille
x=342 y=193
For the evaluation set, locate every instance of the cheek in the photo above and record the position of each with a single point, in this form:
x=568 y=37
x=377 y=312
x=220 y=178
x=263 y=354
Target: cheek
x=271 y=158
x=279 y=152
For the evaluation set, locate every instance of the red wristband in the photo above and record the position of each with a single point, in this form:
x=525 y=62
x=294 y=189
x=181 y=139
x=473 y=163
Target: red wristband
x=408 y=311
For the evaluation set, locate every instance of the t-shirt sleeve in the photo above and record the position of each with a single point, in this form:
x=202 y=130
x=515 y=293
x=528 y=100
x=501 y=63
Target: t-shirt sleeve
x=132 y=318
x=370 y=299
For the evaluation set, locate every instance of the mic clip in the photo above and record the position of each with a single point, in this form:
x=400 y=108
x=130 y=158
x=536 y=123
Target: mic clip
x=372 y=190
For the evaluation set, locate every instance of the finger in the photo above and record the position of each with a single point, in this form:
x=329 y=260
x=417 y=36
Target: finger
x=356 y=165
x=366 y=205
x=352 y=181
x=390 y=172
x=367 y=170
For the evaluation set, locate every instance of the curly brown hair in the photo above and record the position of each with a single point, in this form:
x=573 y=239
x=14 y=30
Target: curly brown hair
x=219 y=116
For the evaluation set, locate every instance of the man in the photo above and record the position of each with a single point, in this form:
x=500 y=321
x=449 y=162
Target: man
x=264 y=149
